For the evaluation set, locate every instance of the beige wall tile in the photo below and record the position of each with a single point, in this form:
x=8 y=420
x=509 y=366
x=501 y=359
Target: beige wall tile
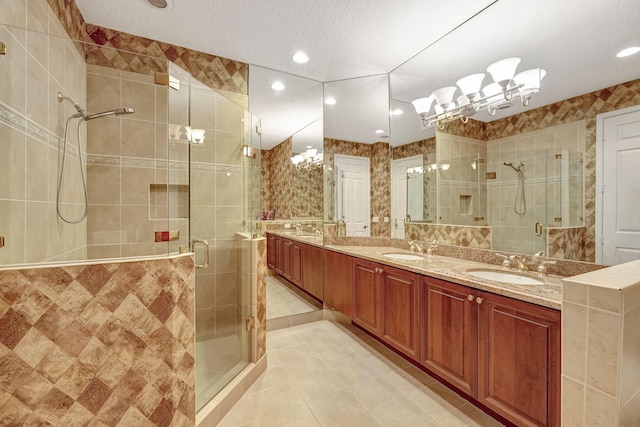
x=13 y=73
x=135 y=187
x=630 y=412
x=631 y=297
x=38 y=172
x=228 y=116
x=141 y=97
x=203 y=184
x=103 y=225
x=103 y=251
x=228 y=221
x=37 y=90
x=104 y=93
x=37 y=233
x=574 y=340
x=228 y=148
x=600 y=409
x=226 y=289
x=138 y=138
x=14 y=13
x=605 y=298
x=162 y=104
x=12 y=172
x=630 y=363
x=12 y=222
x=37 y=19
x=228 y=188
x=103 y=136
x=573 y=396
x=103 y=184
x=603 y=345
x=137 y=228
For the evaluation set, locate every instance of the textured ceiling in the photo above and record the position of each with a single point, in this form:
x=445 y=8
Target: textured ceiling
x=424 y=44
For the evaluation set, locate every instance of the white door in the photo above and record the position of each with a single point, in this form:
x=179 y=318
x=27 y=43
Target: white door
x=400 y=183
x=352 y=194
x=620 y=186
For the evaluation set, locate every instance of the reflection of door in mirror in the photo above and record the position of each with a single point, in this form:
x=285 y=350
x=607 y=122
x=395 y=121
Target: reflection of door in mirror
x=352 y=193
x=406 y=193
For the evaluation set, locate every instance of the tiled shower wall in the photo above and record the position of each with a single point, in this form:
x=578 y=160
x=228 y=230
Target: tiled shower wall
x=39 y=62
x=127 y=166
x=277 y=185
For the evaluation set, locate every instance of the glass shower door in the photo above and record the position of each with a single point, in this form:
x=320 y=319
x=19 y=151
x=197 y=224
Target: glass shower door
x=217 y=131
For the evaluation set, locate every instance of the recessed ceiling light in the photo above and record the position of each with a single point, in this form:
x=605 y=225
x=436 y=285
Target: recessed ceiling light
x=300 y=58
x=628 y=51
x=396 y=112
x=277 y=86
x=330 y=101
x=379 y=131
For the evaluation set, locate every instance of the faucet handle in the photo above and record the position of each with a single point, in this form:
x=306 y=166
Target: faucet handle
x=505 y=260
x=542 y=268
x=432 y=245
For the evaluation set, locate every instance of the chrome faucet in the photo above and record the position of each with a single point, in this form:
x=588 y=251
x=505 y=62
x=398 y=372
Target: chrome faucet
x=505 y=260
x=415 y=247
x=519 y=262
x=432 y=245
x=542 y=268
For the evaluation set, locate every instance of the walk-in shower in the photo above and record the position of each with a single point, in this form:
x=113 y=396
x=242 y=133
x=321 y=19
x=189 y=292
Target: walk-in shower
x=520 y=202
x=84 y=116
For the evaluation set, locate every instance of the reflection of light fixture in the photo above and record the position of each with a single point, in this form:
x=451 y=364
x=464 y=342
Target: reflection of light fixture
x=434 y=167
x=277 y=86
x=379 y=131
x=300 y=58
x=196 y=136
x=417 y=169
x=396 y=112
x=247 y=151
x=330 y=101
x=507 y=84
x=307 y=160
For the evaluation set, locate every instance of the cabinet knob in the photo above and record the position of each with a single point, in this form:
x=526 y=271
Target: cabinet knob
x=479 y=300
x=470 y=297
x=379 y=270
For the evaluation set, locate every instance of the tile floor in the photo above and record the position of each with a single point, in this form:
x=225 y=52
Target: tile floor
x=217 y=362
x=284 y=300
x=329 y=374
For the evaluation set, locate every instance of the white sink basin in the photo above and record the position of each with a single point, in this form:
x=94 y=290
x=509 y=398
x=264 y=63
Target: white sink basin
x=404 y=257
x=505 y=277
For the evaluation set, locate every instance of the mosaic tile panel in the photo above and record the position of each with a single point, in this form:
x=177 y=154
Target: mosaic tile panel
x=380 y=191
x=70 y=17
x=472 y=237
x=308 y=190
x=424 y=147
x=261 y=299
x=277 y=172
x=566 y=243
x=472 y=129
x=100 y=344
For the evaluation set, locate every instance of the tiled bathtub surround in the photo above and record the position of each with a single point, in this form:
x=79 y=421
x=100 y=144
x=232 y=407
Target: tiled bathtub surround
x=98 y=344
x=601 y=347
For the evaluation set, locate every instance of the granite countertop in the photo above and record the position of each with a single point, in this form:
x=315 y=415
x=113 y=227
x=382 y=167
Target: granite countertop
x=303 y=237
x=454 y=270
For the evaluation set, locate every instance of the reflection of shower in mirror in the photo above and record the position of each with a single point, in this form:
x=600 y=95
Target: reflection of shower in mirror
x=520 y=203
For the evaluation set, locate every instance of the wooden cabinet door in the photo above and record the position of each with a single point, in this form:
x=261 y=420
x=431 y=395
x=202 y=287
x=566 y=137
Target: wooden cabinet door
x=450 y=332
x=399 y=307
x=271 y=251
x=312 y=270
x=279 y=254
x=296 y=263
x=366 y=296
x=519 y=360
x=286 y=259
x=338 y=282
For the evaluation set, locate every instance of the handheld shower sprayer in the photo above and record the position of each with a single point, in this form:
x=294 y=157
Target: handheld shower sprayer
x=81 y=114
x=520 y=203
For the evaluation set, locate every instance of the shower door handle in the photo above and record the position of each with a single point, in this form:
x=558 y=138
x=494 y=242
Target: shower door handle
x=203 y=242
x=538 y=229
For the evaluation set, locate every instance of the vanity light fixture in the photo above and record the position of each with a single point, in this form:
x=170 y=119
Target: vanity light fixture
x=196 y=136
x=330 y=101
x=628 y=51
x=442 y=106
x=277 y=86
x=307 y=160
x=247 y=151
x=300 y=58
x=434 y=167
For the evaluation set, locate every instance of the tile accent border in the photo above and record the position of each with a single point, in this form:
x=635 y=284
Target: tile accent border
x=103 y=343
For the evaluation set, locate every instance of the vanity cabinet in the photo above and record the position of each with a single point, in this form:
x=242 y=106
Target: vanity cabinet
x=449 y=319
x=279 y=254
x=503 y=352
x=312 y=270
x=519 y=360
x=386 y=303
x=285 y=260
x=271 y=251
x=295 y=265
x=338 y=282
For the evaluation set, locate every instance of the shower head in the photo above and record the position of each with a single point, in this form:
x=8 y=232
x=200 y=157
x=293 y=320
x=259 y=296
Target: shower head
x=517 y=169
x=116 y=112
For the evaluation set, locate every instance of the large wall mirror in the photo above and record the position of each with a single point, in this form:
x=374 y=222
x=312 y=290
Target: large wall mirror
x=523 y=179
